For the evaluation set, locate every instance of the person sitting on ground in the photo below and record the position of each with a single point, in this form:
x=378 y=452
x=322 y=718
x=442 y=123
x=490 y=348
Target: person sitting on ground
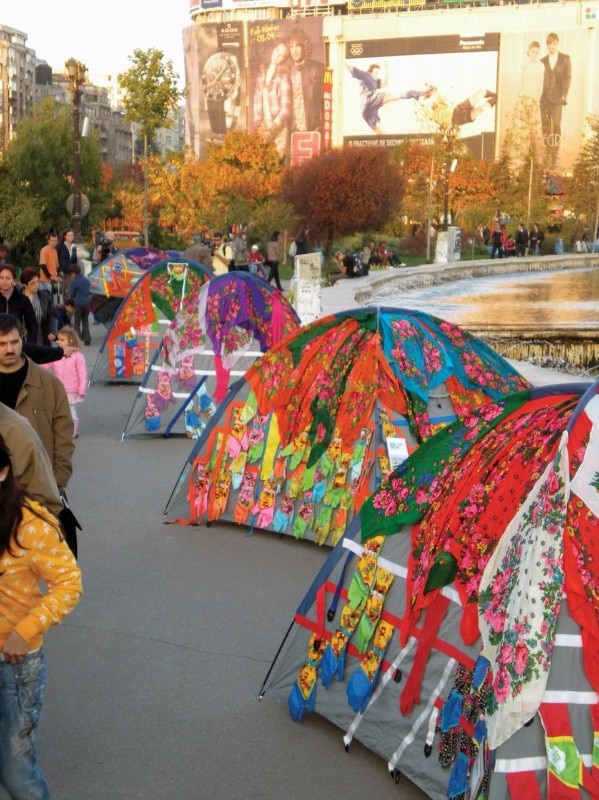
x=510 y=246
x=385 y=255
x=256 y=261
x=350 y=263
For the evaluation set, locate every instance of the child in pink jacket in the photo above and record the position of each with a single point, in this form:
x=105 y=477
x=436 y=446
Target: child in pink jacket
x=71 y=371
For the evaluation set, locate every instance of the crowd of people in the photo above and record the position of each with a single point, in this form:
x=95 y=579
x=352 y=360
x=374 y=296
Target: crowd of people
x=521 y=243
x=43 y=376
x=229 y=252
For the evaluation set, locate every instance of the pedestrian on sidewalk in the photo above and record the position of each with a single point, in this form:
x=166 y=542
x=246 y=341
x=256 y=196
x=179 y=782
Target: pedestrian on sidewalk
x=32 y=550
x=81 y=294
x=71 y=372
x=273 y=255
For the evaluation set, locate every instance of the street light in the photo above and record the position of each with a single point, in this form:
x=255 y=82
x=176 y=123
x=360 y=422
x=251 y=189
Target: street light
x=75 y=72
x=449 y=169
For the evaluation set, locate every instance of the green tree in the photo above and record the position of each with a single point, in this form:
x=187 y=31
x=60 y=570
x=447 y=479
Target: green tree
x=37 y=177
x=345 y=191
x=584 y=194
x=151 y=94
x=522 y=165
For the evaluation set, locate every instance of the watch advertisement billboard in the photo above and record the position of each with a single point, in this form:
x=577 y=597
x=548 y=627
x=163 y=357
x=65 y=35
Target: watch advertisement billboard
x=214 y=59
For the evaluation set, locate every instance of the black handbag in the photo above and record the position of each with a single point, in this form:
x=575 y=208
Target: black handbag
x=69 y=523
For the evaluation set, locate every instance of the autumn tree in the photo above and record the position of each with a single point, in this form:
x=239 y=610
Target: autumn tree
x=237 y=182
x=151 y=94
x=344 y=191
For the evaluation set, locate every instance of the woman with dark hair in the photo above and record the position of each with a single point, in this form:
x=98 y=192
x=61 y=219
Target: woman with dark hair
x=41 y=300
x=67 y=257
x=272 y=259
x=302 y=244
x=32 y=550
x=13 y=301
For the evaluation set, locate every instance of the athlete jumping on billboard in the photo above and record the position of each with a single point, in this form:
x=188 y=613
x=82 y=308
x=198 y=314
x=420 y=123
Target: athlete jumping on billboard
x=373 y=95
x=452 y=115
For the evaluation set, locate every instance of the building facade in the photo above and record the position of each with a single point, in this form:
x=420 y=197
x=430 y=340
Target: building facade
x=26 y=79
x=373 y=72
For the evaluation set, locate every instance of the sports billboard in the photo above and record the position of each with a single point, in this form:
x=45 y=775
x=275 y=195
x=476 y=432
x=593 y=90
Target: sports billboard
x=419 y=86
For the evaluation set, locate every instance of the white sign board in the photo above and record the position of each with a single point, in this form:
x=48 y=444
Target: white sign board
x=307 y=286
x=397 y=450
x=449 y=245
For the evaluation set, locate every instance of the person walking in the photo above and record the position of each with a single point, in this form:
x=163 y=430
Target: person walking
x=71 y=372
x=39 y=396
x=67 y=258
x=497 y=242
x=13 y=301
x=41 y=300
x=521 y=240
x=80 y=291
x=535 y=239
x=273 y=256
x=32 y=550
x=48 y=263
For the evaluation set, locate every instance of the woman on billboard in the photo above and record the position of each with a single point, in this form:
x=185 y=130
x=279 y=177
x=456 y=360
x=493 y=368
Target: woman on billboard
x=272 y=98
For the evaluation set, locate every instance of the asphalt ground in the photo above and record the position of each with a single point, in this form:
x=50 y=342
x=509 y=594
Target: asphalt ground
x=153 y=680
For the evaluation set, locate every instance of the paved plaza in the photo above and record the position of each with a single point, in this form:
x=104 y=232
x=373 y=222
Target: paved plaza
x=154 y=678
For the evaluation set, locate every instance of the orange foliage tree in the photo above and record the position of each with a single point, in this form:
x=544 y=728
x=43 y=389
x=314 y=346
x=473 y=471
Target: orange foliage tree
x=345 y=191
x=226 y=186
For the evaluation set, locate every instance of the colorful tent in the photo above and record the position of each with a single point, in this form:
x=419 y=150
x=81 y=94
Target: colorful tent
x=236 y=318
x=115 y=276
x=317 y=421
x=142 y=317
x=455 y=629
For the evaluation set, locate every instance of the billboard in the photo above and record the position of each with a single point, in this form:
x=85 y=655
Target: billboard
x=214 y=71
x=286 y=65
x=419 y=86
x=547 y=78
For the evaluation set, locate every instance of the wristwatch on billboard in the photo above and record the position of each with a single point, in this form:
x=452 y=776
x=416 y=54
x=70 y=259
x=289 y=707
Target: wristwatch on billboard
x=221 y=79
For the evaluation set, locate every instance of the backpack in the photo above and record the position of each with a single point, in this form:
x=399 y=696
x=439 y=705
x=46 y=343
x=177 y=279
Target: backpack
x=293 y=249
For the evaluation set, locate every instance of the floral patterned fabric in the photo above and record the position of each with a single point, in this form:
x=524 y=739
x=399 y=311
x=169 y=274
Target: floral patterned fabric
x=521 y=591
x=330 y=404
x=493 y=464
x=135 y=334
x=224 y=316
x=581 y=541
x=118 y=273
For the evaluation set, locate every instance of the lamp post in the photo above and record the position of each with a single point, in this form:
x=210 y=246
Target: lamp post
x=75 y=71
x=449 y=168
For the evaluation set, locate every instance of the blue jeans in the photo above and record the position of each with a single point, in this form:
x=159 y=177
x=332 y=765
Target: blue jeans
x=22 y=688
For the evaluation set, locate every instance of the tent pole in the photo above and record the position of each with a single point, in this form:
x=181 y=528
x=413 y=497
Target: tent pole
x=274 y=661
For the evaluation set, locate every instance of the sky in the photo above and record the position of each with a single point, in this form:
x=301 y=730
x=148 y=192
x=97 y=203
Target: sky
x=102 y=35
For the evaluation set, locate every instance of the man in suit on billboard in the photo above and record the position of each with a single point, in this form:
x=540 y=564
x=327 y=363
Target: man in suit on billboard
x=556 y=85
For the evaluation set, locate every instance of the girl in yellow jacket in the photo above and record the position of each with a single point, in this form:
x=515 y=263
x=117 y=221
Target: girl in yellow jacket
x=32 y=549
